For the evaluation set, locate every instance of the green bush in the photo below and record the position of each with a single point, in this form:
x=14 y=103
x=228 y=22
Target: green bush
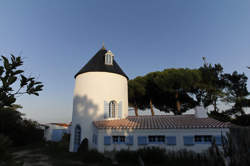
x=5 y=144
x=184 y=157
x=6 y=158
x=152 y=155
x=92 y=156
x=126 y=156
x=20 y=131
x=59 y=147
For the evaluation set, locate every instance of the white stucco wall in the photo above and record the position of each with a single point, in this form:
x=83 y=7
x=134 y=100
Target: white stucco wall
x=91 y=90
x=179 y=133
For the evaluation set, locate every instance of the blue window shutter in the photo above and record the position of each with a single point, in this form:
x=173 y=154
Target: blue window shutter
x=142 y=140
x=120 y=109
x=107 y=140
x=130 y=140
x=188 y=140
x=106 y=109
x=218 y=140
x=171 y=140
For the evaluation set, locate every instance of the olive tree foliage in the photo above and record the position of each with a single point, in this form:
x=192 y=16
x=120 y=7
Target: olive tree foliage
x=14 y=83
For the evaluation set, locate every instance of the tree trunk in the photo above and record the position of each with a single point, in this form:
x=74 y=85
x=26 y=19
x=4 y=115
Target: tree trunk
x=151 y=108
x=136 y=110
x=215 y=105
x=178 y=104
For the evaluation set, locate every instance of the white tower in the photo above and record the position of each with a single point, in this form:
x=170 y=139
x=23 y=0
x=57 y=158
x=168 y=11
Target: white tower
x=101 y=92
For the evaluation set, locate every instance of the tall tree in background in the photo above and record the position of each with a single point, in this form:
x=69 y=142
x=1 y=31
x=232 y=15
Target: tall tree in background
x=211 y=85
x=171 y=89
x=236 y=89
x=137 y=94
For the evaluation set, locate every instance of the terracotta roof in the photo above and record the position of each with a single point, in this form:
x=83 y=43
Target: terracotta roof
x=160 y=122
x=60 y=124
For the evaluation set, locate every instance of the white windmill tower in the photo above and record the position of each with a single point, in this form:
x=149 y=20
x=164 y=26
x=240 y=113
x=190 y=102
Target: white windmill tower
x=101 y=92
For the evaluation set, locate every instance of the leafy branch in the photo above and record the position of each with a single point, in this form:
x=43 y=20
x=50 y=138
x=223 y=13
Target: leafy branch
x=10 y=75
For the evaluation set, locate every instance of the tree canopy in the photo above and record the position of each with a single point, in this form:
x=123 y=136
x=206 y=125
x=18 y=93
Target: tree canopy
x=177 y=90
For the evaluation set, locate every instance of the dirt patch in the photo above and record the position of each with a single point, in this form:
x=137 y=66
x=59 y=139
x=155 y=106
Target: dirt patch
x=32 y=158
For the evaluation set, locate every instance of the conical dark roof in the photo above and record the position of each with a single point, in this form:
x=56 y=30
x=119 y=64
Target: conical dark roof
x=97 y=63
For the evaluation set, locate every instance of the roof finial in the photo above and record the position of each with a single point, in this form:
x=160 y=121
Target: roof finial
x=103 y=45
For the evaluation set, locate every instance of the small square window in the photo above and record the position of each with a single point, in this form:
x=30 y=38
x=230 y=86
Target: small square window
x=151 y=138
x=122 y=138
x=161 y=138
x=115 y=139
x=208 y=138
x=198 y=138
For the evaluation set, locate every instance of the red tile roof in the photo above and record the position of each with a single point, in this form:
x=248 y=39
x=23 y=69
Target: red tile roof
x=60 y=124
x=160 y=122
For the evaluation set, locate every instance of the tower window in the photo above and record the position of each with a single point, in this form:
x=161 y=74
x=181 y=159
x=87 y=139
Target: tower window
x=109 y=57
x=112 y=109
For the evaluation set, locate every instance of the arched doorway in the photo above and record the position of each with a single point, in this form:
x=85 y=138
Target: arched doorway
x=77 y=138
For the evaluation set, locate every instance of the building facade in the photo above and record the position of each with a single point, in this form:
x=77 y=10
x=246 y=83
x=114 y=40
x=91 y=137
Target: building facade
x=100 y=115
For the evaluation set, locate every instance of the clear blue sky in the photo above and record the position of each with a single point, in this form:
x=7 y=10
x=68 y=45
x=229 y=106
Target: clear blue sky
x=57 y=37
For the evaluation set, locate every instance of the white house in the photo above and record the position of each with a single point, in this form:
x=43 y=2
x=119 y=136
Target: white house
x=55 y=131
x=100 y=114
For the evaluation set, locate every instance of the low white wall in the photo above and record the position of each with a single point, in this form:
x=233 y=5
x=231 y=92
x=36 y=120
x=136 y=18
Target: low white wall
x=179 y=133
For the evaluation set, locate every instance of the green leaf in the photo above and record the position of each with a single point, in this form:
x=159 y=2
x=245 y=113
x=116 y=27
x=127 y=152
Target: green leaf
x=18 y=72
x=23 y=81
x=6 y=62
x=11 y=80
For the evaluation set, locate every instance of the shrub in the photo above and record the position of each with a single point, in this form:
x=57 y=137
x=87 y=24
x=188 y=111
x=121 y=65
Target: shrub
x=152 y=155
x=6 y=158
x=236 y=146
x=5 y=144
x=20 y=131
x=64 y=143
x=126 y=156
x=92 y=156
x=184 y=157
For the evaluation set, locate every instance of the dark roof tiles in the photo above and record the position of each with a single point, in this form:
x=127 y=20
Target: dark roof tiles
x=160 y=122
x=97 y=63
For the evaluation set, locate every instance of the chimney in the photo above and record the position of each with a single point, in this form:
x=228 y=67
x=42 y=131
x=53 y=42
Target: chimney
x=200 y=112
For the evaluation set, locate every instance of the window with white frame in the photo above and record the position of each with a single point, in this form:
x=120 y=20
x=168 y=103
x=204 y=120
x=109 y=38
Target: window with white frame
x=109 y=57
x=203 y=138
x=112 y=109
x=156 y=139
x=118 y=139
